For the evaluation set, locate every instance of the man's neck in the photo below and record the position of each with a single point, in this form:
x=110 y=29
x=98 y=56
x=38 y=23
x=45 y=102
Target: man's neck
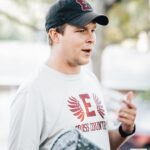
x=62 y=67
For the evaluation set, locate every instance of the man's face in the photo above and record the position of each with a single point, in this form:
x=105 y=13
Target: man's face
x=77 y=44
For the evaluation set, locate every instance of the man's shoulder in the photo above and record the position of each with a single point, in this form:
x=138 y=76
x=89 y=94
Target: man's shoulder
x=31 y=82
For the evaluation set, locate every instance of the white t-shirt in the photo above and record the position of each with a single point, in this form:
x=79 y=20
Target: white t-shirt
x=50 y=104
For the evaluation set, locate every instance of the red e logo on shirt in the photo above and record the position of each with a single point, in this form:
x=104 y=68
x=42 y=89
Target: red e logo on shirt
x=87 y=104
x=77 y=110
x=84 y=5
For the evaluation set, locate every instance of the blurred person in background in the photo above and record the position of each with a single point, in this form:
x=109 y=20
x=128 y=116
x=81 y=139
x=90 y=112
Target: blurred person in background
x=61 y=106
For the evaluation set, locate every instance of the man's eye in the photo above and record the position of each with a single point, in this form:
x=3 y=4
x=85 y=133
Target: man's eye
x=81 y=30
x=93 y=30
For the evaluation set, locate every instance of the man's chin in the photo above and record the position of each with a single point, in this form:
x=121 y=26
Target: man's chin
x=84 y=62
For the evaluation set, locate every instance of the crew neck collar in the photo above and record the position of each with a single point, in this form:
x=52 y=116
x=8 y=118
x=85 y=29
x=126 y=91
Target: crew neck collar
x=59 y=74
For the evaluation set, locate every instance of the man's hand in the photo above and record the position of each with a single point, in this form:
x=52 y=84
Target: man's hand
x=127 y=113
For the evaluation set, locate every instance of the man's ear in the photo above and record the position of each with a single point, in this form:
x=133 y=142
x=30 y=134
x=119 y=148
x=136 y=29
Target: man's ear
x=54 y=35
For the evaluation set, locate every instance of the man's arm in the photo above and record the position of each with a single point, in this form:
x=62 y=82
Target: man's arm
x=126 y=116
x=26 y=121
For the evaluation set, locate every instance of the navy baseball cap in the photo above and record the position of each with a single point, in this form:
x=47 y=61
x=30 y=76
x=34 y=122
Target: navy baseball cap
x=75 y=12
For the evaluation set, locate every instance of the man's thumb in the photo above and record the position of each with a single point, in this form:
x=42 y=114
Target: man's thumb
x=130 y=96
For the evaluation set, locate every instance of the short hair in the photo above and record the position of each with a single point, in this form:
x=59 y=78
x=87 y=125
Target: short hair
x=60 y=29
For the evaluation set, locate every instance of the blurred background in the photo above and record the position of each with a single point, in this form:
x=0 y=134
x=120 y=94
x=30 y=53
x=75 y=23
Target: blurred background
x=121 y=59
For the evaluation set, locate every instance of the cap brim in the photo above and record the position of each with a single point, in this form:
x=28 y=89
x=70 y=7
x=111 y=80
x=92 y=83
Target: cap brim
x=86 y=18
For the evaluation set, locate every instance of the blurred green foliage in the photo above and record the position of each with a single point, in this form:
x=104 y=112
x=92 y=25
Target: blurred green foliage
x=144 y=95
x=127 y=19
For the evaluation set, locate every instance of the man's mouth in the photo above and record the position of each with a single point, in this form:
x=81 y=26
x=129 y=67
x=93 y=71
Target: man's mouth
x=86 y=50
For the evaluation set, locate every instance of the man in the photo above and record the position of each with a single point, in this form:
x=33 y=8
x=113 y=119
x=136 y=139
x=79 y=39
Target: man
x=61 y=106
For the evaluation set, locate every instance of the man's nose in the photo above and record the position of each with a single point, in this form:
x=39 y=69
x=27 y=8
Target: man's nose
x=91 y=38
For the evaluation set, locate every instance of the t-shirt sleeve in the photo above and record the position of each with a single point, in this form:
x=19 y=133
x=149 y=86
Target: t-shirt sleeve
x=26 y=121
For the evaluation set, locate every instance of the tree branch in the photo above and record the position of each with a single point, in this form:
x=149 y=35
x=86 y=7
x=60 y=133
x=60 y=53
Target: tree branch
x=14 y=19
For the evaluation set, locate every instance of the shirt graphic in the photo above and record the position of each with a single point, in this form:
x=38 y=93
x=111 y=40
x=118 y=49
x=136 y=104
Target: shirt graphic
x=87 y=111
x=78 y=111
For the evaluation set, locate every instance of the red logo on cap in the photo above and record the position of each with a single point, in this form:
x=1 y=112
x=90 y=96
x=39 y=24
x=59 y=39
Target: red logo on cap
x=84 y=5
